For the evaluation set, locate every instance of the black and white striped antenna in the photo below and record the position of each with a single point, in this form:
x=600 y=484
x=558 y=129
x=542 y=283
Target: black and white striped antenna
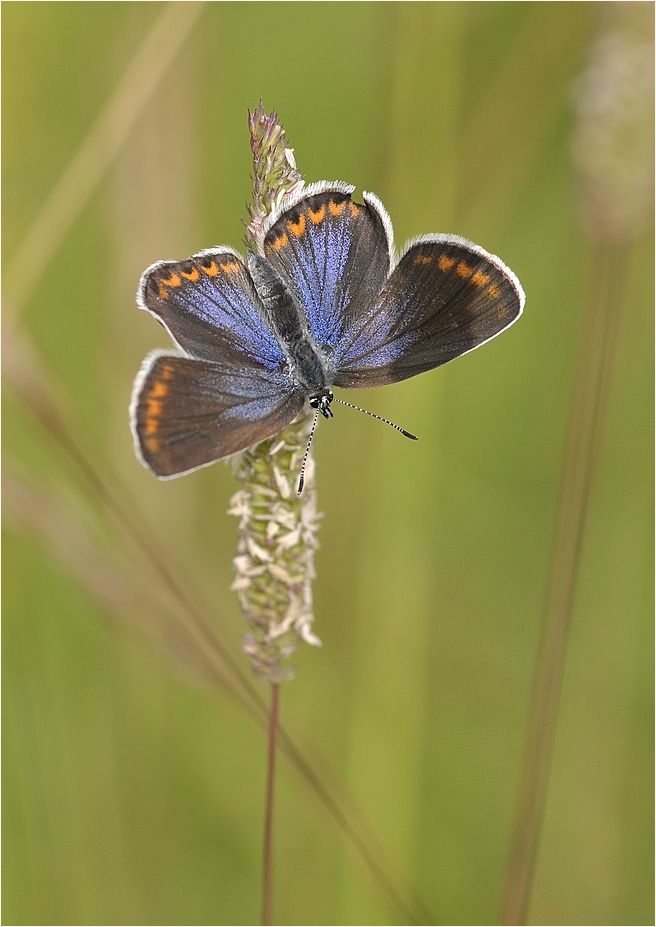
x=301 y=480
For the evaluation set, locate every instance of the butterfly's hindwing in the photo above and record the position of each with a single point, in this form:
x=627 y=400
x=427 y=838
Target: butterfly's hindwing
x=187 y=413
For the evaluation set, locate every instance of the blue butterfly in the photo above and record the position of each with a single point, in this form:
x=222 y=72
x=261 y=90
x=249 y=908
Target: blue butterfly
x=323 y=303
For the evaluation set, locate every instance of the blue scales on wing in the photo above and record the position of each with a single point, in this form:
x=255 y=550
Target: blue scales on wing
x=210 y=307
x=334 y=256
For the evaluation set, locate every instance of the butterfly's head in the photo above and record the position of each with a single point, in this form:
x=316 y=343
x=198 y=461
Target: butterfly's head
x=321 y=401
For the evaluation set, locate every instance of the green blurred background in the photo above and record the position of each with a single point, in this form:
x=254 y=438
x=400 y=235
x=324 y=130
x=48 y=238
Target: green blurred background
x=133 y=785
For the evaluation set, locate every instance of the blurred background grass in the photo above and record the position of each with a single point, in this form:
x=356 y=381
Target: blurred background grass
x=133 y=785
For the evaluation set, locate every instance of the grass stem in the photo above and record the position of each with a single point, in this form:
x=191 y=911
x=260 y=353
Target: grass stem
x=267 y=875
x=599 y=335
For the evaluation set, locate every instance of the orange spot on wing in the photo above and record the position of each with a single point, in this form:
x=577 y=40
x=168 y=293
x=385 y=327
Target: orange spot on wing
x=354 y=209
x=494 y=291
x=193 y=275
x=158 y=390
x=281 y=242
x=167 y=372
x=232 y=268
x=297 y=228
x=212 y=270
x=174 y=280
x=464 y=270
x=154 y=445
x=423 y=259
x=502 y=313
x=480 y=279
x=444 y=262
x=317 y=217
x=154 y=408
x=162 y=292
x=336 y=209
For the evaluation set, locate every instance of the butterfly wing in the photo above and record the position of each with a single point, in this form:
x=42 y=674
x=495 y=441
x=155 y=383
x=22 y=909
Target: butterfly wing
x=210 y=307
x=334 y=255
x=187 y=413
x=229 y=389
x=445 y=297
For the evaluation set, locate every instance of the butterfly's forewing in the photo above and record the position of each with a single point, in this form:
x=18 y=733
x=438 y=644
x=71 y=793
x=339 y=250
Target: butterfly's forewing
x=210 y=307
x=187 y=413
x=333 y=254
x=446 y=297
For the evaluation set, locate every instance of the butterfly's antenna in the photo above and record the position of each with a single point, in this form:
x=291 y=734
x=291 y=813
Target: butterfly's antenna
x=301 y=479
x=373 y=415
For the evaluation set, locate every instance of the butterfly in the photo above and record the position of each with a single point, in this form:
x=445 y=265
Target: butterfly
x=323 y=302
